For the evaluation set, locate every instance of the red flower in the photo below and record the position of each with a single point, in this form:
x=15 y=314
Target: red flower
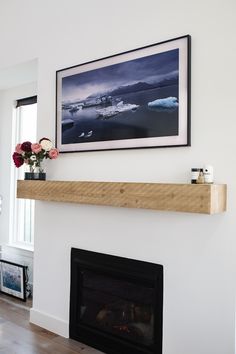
x=26 y=146
x=18 y=159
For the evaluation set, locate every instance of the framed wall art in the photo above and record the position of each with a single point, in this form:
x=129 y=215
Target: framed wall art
x=136 y=99
x=13 y=279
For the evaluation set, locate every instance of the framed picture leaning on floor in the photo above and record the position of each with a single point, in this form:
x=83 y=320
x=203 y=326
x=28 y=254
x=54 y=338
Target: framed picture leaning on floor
x=13 y=279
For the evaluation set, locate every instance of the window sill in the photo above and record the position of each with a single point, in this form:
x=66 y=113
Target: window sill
x=18 y=249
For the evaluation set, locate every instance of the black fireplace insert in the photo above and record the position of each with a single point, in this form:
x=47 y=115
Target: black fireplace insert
x=116 y=303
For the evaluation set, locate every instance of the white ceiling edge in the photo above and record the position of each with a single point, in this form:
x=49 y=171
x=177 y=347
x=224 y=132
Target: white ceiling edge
x=19 y=74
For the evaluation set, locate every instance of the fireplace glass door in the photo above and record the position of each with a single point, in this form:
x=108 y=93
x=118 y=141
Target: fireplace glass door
x=120 y=307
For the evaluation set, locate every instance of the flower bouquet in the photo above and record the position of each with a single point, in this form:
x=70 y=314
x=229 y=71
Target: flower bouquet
x=33 y=155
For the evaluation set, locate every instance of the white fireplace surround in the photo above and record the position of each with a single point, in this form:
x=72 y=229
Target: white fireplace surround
x=198 y=252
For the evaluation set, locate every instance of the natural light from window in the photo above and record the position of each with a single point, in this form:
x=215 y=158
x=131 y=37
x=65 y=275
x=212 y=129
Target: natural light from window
x=22 y=213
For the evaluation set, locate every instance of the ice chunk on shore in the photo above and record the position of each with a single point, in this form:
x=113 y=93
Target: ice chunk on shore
x=67 y=121
x=86 y=135
x=67 y=124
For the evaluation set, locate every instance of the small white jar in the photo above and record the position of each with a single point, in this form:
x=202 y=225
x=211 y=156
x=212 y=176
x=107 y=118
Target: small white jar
x=208 y=174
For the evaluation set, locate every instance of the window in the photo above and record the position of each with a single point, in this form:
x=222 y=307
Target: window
x=22 y=211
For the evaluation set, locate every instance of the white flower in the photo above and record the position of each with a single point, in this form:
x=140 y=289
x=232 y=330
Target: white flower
x=46 y=144
x=33 y=158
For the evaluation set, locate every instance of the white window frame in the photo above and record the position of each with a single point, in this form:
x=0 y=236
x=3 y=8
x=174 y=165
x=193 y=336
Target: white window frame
x=20 y=208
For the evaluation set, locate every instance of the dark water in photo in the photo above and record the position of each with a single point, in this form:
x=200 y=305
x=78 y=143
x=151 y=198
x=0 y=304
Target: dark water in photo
x=12 y=281
x=141 y=123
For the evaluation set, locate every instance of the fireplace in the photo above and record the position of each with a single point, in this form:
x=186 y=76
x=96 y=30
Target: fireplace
x=116 y=303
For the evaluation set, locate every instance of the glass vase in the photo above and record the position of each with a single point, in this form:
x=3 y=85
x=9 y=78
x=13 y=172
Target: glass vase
x=35 y=172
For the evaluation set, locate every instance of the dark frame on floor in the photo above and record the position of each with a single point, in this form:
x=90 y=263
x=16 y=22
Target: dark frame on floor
x=13 y=279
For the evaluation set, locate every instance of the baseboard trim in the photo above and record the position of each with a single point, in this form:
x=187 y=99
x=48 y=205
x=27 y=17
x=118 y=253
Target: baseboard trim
x=51 y=323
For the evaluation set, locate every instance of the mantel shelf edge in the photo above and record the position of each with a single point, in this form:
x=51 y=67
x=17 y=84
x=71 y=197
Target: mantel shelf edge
x=193 y=198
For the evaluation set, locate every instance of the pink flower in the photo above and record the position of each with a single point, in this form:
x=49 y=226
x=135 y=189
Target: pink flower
x=53 y=154
x=18 y=149
x=36 y=148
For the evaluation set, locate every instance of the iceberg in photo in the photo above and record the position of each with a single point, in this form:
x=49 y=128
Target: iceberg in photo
x=164 y=104
x=114 y=110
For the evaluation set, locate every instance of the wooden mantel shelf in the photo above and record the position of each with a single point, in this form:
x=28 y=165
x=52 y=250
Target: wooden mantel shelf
x=193 y=198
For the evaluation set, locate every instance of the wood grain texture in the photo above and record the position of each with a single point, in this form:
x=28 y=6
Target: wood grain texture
x=19 y=336
x=193 y=198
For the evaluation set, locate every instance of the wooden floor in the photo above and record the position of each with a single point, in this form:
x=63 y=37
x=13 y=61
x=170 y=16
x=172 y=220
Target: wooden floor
x=18 y=336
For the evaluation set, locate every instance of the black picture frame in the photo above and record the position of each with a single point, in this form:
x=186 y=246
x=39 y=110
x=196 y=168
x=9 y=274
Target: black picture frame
x=13 y=279
x=135 y=99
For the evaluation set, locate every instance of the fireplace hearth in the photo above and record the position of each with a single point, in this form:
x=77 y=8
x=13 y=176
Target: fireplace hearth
x=116 y=303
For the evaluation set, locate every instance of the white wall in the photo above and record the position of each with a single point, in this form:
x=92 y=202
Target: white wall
x=198 y=251
x=18 y=75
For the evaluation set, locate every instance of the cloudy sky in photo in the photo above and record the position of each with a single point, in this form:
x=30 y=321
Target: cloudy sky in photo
x=150 y=69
